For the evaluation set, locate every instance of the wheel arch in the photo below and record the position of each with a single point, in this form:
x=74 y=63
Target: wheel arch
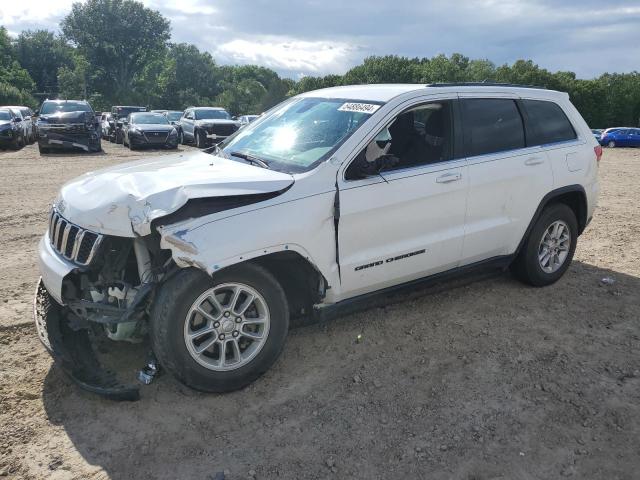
x=301 y=279
x=303 y=284
x=574 y=196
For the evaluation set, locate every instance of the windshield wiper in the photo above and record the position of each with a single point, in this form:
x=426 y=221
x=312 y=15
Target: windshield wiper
x=251 y=159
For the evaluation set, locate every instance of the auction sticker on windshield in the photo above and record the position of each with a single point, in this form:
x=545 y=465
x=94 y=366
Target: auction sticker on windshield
x=359 y=107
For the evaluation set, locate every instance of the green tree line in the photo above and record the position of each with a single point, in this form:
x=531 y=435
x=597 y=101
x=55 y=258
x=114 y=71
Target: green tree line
x=117 y=52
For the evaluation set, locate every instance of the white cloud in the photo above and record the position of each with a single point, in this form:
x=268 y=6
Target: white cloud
x=16 y=16
x=286 y=54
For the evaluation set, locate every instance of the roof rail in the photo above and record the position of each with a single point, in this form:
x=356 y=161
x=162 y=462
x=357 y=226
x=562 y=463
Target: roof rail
x=482 y=84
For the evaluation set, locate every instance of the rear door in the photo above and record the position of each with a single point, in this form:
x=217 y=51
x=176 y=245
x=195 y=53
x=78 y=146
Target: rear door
x=507 y=179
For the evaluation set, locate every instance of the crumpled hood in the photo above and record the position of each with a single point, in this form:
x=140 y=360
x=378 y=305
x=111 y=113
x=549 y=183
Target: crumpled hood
x=124 y=199
x=68 y=117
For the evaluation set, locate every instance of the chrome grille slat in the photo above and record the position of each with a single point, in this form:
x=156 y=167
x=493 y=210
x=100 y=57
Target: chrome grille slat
x=76 y=245
x=56 y=235
x=66 y=237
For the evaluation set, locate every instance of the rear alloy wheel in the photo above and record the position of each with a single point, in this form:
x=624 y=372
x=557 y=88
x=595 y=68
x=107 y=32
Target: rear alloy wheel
x=549 y=248
x=219 y=334
x=611 y=144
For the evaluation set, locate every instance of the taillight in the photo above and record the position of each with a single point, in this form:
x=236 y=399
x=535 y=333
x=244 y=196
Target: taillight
x=598 y=151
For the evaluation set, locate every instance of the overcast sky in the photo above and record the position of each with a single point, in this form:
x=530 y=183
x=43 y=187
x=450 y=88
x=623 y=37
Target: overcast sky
x=316 y=37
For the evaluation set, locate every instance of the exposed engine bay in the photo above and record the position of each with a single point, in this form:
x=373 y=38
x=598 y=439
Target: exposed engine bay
x=108 y=299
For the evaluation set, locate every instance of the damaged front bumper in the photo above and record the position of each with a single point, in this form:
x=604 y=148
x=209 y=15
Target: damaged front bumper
x=66 y=328
x=89 y=142
x=72 y=350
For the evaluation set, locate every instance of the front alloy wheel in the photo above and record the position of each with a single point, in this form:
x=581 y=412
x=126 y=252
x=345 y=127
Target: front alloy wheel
x=220 y=333
x=227 y=326
x=611 y=144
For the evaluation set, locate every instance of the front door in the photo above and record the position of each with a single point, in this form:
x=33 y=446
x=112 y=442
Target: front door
x=187 y=124
x=408 y=221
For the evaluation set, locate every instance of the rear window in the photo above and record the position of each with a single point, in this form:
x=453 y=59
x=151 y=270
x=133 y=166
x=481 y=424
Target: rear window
x=549 y=123
x=491 y=125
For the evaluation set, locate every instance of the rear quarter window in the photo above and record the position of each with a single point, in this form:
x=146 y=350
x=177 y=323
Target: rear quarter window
x=549 y=124
x=491 y=125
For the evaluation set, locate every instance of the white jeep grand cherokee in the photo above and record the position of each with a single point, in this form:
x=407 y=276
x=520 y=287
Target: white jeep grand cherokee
x=329 y=196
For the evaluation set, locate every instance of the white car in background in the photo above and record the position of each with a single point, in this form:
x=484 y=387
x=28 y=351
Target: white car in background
x=26 y=120
x=334 y=195
x=204 y=126
x=245 y=120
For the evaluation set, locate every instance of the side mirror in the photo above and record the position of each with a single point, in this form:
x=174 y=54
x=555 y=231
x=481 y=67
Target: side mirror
x=373 y=159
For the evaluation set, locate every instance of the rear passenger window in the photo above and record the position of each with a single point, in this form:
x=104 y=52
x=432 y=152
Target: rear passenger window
x=548 y=122
x=491 y=125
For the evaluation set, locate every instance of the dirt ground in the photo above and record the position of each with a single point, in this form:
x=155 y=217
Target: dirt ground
x=487 y=380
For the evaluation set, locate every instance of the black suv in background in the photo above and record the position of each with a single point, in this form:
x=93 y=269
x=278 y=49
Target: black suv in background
x=118 y=114
x=67 y=124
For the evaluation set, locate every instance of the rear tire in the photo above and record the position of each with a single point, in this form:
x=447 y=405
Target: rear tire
x=530 y=266
x=175 y=319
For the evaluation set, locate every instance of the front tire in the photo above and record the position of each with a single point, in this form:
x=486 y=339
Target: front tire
x=200 y=139
x=611 y=144
x=549 y=248
x=219 y=334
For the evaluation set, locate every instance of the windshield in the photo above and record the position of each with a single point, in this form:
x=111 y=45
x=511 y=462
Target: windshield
x=302 y=132
x=174 y=116
x=122 y=112
x=4 y=115
x=148 y=118
x=63 y=107
x=212 y=115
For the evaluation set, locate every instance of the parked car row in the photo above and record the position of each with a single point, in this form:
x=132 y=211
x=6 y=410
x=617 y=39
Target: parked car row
x=74 y=124
x=135 y=126
x=16 y=127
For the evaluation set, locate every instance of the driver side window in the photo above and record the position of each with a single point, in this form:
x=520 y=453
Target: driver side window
x=418 y=136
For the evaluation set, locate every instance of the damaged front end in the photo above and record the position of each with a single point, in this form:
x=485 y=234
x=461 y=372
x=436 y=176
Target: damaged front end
x=69 y=130
x=105 y=297
x=102 y=260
